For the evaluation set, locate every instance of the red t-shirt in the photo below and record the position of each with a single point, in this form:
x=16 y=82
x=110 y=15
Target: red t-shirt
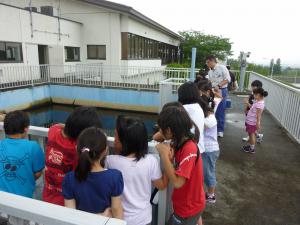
x=190 y=198
x=61 y=157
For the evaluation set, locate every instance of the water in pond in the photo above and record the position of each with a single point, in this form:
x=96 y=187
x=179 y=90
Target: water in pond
x=45 y=116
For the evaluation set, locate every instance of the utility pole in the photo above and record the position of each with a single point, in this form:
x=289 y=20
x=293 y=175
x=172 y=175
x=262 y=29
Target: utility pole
x=272 y=68
x=243 y=58
x=192 y=75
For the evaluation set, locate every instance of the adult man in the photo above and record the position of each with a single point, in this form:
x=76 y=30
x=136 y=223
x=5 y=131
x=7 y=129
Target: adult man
x=220 y=77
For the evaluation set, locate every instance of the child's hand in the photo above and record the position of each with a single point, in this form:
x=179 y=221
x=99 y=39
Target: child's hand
x=164 y=150
x=107 y=213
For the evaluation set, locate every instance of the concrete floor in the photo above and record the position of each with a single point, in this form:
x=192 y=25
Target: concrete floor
x=259 y=189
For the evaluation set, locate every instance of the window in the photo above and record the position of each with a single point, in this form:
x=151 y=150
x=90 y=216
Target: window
x=72 y=54
x=96 y=52
x=11 y=52
x=137 y=47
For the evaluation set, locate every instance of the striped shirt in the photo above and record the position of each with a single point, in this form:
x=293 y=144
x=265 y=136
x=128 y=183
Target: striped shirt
x=251 y=118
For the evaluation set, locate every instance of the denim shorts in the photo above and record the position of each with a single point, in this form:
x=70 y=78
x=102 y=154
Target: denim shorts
x=209 y=167
x=177 y=220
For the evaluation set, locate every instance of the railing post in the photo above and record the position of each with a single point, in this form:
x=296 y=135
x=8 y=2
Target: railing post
x=31 y=76
x=139 y=79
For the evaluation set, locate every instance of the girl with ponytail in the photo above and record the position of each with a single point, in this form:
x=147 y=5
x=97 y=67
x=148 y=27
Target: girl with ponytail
x=253 y=118
x=92 y=188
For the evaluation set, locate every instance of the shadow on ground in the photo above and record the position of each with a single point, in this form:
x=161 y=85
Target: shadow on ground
x=259 y=189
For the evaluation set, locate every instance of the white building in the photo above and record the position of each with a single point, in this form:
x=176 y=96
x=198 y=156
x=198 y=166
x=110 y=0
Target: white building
x=67 y=32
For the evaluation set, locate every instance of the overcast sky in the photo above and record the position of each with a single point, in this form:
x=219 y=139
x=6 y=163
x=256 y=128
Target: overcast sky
x=266 y=28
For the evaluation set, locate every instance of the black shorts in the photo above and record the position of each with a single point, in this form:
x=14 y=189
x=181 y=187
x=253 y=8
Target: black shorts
x=177 y=220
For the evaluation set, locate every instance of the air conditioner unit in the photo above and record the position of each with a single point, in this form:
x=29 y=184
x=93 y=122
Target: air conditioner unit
x=47 y=10
x=33 y=9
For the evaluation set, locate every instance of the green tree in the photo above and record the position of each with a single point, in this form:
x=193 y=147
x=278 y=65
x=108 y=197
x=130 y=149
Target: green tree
x=277 y=67
x=206 y=45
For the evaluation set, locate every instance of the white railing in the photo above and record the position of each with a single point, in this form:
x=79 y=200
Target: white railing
x=283 y=102
x=41 y=212
x=140 y=78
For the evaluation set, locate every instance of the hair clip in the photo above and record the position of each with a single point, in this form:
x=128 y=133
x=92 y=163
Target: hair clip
x=85 y=150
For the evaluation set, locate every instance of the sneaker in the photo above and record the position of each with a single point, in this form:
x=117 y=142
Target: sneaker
x=246 y=139
x=248 y=149
x=210 y=198
x=259 y=138
x=220 y=134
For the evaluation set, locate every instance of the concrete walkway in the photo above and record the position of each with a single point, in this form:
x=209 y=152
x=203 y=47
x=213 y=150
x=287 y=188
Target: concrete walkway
x=259 y=189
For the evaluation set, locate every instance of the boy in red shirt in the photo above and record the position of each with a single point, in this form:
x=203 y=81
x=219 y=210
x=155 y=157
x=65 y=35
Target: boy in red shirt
x=187 y=174
x=61 y=155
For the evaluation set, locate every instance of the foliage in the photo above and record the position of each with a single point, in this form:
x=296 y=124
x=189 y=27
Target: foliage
x=277 y=67
x=206 y=45
x=261 y=69
x=178 y=65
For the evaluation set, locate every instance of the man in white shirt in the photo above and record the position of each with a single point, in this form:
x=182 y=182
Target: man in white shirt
x=220 y=77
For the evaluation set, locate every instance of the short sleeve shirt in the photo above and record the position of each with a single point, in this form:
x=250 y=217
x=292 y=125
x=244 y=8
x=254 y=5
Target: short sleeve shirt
x=61 y=158
x=138 y=177
x=94 y=194
x=251 y=118
x=20 y=159
x=219 y=74
x=190 y=198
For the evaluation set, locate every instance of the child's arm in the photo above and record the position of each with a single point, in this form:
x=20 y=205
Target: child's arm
x=258 y=118
x=161 y=183
x=70 y=203
x=116 y=207
x=37 y=175
x=164 y=151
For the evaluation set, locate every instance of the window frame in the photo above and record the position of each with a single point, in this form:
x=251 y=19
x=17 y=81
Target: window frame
x=72 y=60
x=20 y=45
x=90 y=58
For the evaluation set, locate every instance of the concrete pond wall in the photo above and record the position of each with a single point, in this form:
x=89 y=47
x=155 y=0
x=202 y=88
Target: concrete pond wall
x=120 y=99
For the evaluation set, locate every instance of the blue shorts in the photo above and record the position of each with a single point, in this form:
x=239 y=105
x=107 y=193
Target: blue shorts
x=209 y=167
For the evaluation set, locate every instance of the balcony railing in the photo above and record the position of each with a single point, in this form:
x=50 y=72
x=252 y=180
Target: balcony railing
x=98 y=75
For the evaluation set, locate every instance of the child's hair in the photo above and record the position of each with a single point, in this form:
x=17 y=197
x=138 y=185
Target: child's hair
x=81 y=118
x=133 y=136
x=188 y=94
x=260 y=91
x=257 y=83
x=16 y=122
x=205 y=86
x=180 y=124
x=91 y=144
x=176 y=104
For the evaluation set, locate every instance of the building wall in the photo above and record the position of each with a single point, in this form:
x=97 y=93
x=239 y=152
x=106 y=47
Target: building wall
x=101 y=26
x=15 y=27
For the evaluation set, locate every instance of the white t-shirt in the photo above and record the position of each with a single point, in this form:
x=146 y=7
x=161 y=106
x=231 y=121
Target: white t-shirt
x=138 y=177
x=211 y=134
x=196 y=114
x=219 y=74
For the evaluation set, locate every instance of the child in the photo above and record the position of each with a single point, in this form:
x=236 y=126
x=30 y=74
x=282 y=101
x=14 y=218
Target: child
x=249 y=102
x=61 y=156
x=140 y=170
x=21 y=161
x=92 y=188
x=187 y=176
x=253 y=118
x=188 y=96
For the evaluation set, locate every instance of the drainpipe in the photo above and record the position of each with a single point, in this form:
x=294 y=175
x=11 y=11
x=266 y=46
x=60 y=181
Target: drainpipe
x=192 y=75
x=31 y=23
x=58 y=18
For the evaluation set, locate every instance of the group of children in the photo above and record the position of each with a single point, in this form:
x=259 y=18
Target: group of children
x=80 y=174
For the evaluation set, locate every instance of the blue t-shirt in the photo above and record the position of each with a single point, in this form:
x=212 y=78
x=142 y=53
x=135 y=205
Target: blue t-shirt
x=94 y=194
x=20 y=159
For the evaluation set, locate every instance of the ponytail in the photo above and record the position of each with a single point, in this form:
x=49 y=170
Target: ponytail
x=260 y=91
x=91 y=145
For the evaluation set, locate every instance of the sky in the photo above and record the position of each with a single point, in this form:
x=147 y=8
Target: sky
x=266 y=28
